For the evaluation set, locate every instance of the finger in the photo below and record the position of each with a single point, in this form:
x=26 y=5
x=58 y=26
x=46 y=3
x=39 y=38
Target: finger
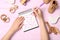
x=18 y=18
x=34 y=14
x=40 y=13
x=36 y=9
x=39 y=10
x=21 y=21
x=20 y=26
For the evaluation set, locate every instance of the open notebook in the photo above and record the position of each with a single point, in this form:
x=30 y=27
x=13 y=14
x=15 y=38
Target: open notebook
x=30 y=20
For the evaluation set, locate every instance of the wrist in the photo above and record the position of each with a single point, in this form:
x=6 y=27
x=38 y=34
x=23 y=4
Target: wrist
x=40 y=19
x=12 y=30
x=39 y=16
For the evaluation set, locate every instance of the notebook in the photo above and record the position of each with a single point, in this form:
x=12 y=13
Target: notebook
x=30 y=20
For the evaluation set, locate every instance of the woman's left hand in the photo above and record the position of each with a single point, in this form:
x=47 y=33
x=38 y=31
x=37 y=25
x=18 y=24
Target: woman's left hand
x=18 y=23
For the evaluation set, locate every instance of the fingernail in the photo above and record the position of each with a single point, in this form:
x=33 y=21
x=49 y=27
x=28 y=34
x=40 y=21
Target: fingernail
x=34 y=14
x=21 y=17
x=34 y=8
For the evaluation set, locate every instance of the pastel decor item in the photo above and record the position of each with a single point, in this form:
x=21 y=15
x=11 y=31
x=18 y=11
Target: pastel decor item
x=46 y=1
x=4 y=18
x=52 y=7
x=53 y=20
x=24 y=2
x=13 y=9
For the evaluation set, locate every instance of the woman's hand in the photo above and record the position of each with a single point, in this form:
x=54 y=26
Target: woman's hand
x=37 y=12
x=18 y=23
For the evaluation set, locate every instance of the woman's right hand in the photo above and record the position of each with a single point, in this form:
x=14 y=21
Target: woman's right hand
x=37 y=12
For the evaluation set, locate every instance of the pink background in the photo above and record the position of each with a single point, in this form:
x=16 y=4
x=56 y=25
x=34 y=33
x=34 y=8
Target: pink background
x=30 y=35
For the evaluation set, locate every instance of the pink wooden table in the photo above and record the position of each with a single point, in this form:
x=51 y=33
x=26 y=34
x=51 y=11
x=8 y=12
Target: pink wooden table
x=30 y=35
